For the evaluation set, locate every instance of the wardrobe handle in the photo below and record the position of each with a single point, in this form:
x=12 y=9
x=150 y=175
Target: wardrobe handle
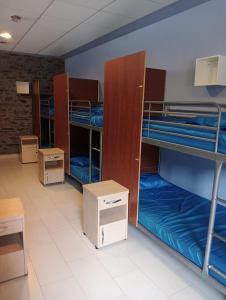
x=137 y=159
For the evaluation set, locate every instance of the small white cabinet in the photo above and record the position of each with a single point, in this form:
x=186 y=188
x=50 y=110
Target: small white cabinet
x=28 y=149
x=105 y=212
x=210 y=71
x=51 y=165
x=12 y=242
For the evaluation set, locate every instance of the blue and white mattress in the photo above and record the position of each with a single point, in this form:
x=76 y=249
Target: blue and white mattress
x=180 y=219
x=165 y=135
x=93 y=117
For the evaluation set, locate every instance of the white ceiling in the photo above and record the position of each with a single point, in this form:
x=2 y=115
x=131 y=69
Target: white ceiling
x=55 y=27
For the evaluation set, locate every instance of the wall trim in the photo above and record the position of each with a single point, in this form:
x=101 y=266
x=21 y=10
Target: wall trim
x=161 y=14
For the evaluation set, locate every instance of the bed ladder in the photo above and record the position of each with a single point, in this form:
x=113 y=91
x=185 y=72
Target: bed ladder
x=211 y=233
x=99 y=151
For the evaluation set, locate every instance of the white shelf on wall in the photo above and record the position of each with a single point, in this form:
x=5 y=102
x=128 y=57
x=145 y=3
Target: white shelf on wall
x=210 y=71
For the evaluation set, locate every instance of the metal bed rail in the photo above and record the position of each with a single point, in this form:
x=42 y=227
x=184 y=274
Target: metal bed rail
x=191 y=109
x=80 y=114
x=180 y=110
x=45 y=107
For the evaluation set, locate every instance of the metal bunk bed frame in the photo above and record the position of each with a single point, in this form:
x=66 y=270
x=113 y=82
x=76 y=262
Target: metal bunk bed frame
x=77 y=105
x=45 y=103
x=192 y=109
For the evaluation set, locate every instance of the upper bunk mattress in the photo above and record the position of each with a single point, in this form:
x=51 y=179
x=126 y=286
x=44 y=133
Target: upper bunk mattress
x=165 y=135
x=180 y=219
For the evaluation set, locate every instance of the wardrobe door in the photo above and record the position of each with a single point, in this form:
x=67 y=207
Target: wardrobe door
x=36 y=118
x=123 y=112
x=61 y=116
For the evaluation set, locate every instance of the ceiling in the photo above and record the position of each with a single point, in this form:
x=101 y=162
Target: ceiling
x=55 y=27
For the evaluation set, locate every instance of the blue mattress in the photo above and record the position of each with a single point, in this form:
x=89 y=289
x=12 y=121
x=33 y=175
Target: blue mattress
x=180 y=219
x=82 y=173
x=187 y=141
x=95 y=118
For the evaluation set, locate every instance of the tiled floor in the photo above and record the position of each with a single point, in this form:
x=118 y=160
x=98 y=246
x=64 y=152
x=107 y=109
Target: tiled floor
x=63 y=265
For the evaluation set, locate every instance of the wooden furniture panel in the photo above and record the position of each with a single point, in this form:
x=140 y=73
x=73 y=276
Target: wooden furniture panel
x=154 y=84
x=123 y=113
x=83 y=89
x=61 y=116
x=36 y=109
x=149 y=158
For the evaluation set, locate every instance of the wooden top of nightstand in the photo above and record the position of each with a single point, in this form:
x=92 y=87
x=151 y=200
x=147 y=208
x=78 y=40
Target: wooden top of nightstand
x=105 y=188
x=11 y=209
x=51 y=151
x=28 y=137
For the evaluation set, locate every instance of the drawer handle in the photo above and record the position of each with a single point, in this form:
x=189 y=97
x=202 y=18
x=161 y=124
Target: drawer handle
x=114 y=201
x=102 y=236
x=3 y=228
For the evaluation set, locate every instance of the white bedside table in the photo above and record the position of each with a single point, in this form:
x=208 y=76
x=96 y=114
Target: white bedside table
x=105 y=212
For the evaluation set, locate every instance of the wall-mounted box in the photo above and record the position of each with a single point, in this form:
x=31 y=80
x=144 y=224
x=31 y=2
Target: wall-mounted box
x=210 y=71
x=22 y=87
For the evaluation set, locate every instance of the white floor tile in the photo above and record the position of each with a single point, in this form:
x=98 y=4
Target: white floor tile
x=188 y=294
x=36 y=234
x=71 y=244
x=94 y=279
x=66 y=289
x=23 y=288
x=49 y=264
x=116 y=266
x=55 y=221
x=161 y=274
x=136 y=286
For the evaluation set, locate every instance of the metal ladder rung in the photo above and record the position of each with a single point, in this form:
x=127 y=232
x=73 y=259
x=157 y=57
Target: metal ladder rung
x=95 y=149
x=219 y=237
x=222 y=201
x=218 y=272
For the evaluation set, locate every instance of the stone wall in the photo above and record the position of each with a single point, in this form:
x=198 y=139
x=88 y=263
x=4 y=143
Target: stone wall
x=15 y=109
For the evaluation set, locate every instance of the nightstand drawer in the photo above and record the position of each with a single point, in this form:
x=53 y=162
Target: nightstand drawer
x=113 y=201
x=54 y=157
x=11 y=227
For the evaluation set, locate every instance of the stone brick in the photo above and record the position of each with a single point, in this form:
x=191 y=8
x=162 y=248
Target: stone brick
x=16 y=110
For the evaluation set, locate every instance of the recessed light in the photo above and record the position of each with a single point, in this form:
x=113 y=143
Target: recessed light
x=5 y=35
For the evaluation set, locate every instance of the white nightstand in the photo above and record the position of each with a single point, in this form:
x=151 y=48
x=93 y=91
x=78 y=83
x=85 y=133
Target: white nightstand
x=12 y=249
x=28 y=148
x=51 y=165
x=105 y=212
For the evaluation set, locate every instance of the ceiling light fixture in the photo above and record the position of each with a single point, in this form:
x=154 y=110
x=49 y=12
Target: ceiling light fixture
x=5 y=35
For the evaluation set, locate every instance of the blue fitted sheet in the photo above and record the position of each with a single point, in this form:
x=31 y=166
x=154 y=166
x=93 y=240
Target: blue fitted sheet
x=164 y=136
x=82 y=173
x=180 y=219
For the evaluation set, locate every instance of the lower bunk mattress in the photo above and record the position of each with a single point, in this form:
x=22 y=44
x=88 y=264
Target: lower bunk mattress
x=180 y=219
x=82 y=173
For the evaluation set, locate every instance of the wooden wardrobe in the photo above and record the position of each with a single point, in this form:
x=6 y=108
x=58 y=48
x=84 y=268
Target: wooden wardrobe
x=67 y=137
x=127 y=84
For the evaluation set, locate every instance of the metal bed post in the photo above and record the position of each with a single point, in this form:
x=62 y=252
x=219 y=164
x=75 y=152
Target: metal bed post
x=101 y=139
x=49 y=124
x=218 y=167
x=90 y=154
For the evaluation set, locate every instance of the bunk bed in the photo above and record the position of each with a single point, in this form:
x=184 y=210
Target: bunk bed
x=77 y=129
x=188 y=226
x=88 y=115
x=42 y=113
x=47 y=121
x=192 y=226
